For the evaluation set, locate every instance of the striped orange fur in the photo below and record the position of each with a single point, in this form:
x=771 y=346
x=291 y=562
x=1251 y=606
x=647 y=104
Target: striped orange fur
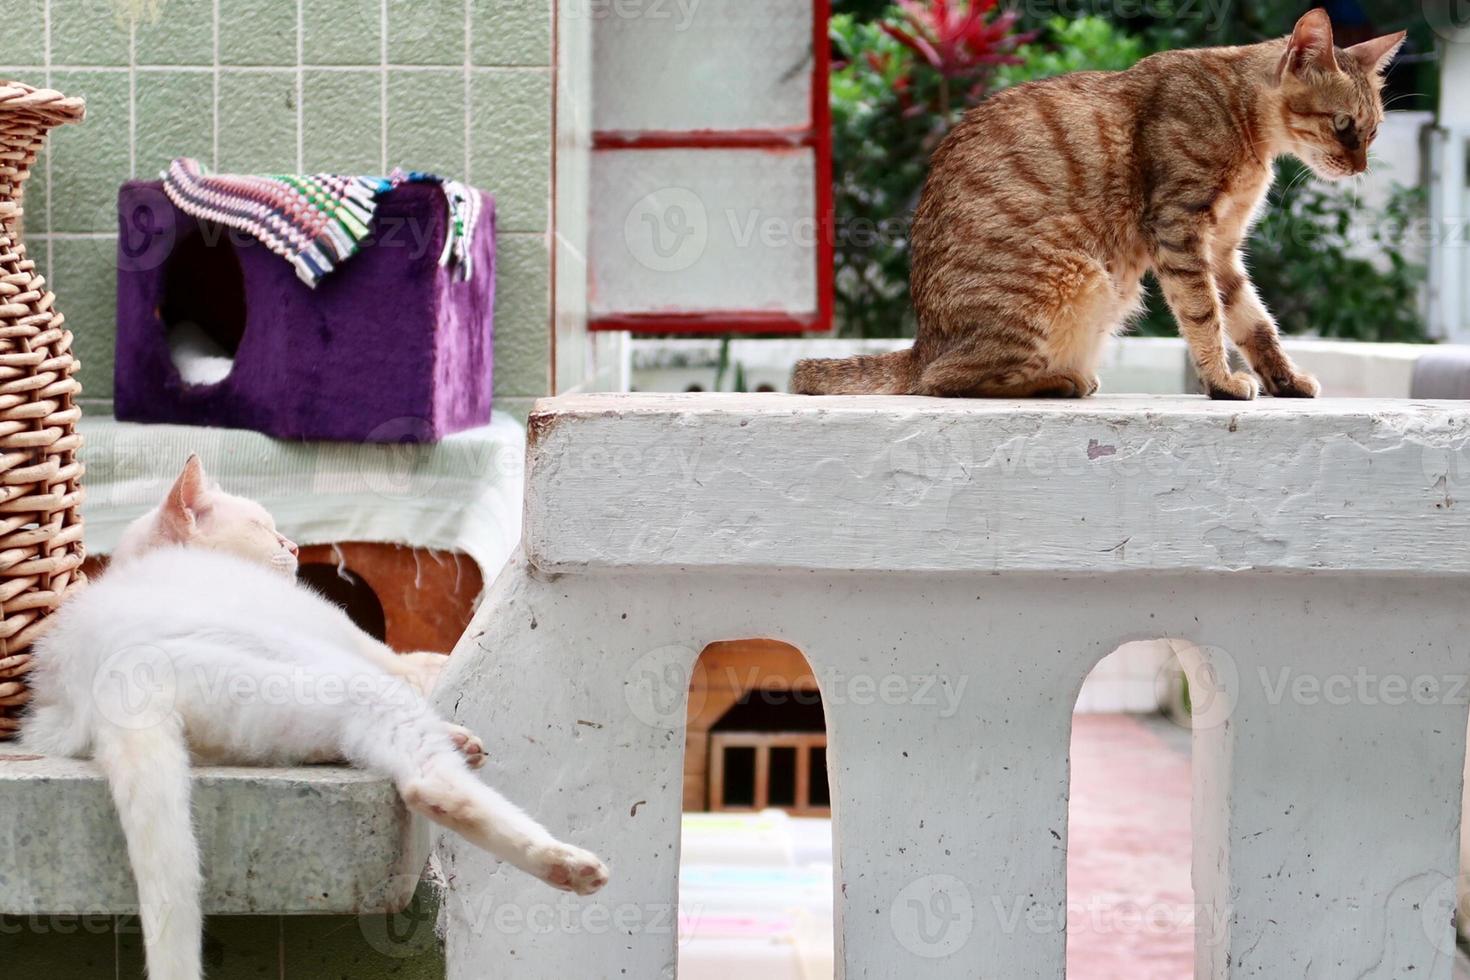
x=1046 y=205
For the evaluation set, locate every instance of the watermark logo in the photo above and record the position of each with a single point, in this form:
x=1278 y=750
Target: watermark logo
x=1450 y=19
x=667 y=230
x=678 y=13
x=1212 y=680
x=657 y=687
x=1439 y=911
x=395 y=461
x=136 y=688
x=933 y=917
x=1446 y=470
x=146 y=230
x=397 y=922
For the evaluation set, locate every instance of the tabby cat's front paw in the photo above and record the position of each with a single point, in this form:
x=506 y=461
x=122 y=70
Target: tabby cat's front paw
x=1293 y=385
x=1238 y=386
x=570 y=868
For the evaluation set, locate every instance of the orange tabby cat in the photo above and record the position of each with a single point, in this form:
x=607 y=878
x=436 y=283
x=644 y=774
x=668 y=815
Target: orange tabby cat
x=1047 y=204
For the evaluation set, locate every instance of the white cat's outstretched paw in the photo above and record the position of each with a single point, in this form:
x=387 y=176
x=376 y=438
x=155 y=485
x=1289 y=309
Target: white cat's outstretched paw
x=570 y=868
x=469 y=745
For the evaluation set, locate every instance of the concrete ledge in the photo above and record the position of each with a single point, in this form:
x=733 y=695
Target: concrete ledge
x=320 y=839
x=1110 y=484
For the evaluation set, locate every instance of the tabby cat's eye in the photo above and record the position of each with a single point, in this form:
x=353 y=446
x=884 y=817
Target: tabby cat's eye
x=1342 y=122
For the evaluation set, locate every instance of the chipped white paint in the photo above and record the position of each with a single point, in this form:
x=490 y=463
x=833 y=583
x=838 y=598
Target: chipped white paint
x=951 y=597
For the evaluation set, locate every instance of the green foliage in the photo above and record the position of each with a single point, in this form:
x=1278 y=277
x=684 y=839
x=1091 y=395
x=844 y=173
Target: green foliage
x=724 y=366
x=860 y=9
x=879 y=153
x=1084 y=44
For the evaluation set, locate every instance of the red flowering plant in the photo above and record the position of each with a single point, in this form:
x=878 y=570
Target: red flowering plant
x=959 y=39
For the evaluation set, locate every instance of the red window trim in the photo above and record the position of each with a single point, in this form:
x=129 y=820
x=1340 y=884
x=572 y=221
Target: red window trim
x=819 y=137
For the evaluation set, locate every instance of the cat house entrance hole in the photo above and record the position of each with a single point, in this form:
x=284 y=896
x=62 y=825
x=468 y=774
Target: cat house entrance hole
x=203 y=306
x=349 y=591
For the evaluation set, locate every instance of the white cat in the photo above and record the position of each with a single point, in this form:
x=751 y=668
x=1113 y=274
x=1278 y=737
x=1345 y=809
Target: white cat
x=199 y=642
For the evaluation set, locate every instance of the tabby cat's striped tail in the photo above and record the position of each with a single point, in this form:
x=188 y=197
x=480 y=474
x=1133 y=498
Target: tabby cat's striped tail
x=894 y=373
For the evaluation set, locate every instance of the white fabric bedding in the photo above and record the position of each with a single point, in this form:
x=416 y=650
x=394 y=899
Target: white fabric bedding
x=462 y=494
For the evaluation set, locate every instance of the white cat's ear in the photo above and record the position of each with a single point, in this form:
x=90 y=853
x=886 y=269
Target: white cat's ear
x=1309 y=47
x=1376 y=55
x=185 y=501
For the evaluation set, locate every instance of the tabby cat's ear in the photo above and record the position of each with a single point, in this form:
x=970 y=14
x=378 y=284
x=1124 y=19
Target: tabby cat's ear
x=1376 y=55
x=185 y=500
x=1310 y=46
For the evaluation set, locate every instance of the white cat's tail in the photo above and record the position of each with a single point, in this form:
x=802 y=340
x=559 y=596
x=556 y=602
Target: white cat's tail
x=147 y=770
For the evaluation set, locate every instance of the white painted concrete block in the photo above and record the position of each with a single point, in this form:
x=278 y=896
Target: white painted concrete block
x=953 y=570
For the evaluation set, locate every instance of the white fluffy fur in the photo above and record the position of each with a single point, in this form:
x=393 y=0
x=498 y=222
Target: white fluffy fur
x=195 y=644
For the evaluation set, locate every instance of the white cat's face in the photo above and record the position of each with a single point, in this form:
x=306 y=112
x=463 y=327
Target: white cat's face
x=201 y=515
x=244 y=528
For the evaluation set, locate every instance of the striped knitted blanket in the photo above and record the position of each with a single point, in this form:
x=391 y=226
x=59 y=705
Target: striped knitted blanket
x=318 y=221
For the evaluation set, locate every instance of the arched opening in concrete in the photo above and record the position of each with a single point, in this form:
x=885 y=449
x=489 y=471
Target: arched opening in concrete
x=755 y=877
x=1130 y=902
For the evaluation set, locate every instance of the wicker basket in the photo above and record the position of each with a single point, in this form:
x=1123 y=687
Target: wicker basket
x=40 y=493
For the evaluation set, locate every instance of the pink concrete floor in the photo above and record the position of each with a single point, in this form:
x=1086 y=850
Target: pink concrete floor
x=1130 y=911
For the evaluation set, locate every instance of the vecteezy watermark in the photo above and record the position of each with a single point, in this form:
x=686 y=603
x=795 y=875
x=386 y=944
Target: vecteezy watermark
x=677 y=14
x=667 y=230
x=933 y=917
x=1447 y=902
x=1450 y=19
x=1213 y=680
x=1102 y=915
x=1444 y=462
x=397 y=460
x=399 y=927
x=136 y=687
x=139 y=687
x=660 y=692
x=146 y=229
x=1363 y=687
x=1210 y=13
x=151 y=232
x=397 y=920
x=411 y=22
x=570 y=916
x=943 y=692
x=657 y=687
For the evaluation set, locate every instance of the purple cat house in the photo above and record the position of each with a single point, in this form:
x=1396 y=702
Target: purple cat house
x=389 y=347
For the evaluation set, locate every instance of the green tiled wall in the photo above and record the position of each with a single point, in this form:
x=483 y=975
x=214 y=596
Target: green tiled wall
x=463 y=87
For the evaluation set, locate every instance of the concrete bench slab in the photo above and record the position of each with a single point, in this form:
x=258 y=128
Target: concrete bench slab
x=318 y=839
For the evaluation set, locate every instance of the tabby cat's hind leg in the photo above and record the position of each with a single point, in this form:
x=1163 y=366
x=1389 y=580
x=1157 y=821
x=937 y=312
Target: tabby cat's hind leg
x=983 y=376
